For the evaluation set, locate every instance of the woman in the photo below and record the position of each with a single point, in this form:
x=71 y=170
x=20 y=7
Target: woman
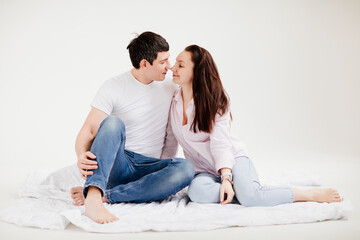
x=200 y=121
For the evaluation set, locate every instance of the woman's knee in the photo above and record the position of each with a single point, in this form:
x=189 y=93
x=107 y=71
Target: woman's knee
x=249 y=199
x=204 y=190
x=242 y=166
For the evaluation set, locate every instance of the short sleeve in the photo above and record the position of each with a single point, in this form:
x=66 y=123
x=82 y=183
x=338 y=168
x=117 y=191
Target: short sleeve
x=105 y=98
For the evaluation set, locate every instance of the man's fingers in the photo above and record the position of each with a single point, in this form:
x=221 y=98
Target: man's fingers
x=88 y=167
x=88 y=161
x=90 y=155
x=84 y=172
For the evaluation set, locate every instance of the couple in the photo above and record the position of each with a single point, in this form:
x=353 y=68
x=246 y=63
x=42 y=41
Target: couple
x=127 y=145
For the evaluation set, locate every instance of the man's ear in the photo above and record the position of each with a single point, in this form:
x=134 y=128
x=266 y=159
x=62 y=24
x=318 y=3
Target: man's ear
x=143 y=63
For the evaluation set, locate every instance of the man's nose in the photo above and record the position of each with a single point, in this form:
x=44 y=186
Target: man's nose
x=168 y=66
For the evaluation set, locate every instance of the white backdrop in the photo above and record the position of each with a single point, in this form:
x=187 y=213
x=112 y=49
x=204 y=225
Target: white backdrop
x=291 y=68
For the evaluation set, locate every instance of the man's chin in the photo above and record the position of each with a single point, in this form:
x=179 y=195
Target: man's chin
x=161 y=78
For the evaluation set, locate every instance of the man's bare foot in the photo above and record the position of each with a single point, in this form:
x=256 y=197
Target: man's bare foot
x=325 y=195
x=320 y=195
x=78 y=197
x=94 y=207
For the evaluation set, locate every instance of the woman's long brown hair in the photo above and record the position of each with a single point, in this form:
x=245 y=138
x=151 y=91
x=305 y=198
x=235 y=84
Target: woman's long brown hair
x=210 y=97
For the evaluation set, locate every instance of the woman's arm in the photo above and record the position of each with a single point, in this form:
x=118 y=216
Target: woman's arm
x=170 y=143
x=220 y=144
x=226 y=189
x=220 y=147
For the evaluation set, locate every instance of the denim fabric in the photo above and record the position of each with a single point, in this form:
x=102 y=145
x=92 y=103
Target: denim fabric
x=205 y=188
x=125 y=176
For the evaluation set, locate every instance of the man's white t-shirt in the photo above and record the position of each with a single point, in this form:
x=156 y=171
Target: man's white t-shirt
x=144 y=109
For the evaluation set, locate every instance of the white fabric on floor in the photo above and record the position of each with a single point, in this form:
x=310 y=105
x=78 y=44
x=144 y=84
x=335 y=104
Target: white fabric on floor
x=45 y=202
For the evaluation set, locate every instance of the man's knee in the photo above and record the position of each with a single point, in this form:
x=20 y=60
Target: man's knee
x=112 y=124
x=185 y=171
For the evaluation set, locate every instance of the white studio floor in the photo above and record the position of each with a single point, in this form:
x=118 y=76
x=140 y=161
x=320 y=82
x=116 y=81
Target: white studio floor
x=340 y=173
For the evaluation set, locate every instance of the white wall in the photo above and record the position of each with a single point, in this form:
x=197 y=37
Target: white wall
x=291 y=68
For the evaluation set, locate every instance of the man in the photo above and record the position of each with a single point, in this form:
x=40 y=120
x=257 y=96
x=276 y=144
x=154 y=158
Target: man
x=121 y=142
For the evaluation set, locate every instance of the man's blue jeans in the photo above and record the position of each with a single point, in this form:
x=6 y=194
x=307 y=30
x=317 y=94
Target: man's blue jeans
x=125 y=176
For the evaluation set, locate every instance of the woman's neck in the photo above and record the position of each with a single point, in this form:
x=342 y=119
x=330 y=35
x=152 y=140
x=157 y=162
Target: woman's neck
x=187 y=93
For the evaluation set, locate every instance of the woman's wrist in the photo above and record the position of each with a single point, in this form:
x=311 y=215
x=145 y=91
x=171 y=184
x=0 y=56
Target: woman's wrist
x=227 y=176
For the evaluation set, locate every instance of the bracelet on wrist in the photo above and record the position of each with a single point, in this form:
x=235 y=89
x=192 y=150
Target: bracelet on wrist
x=227 y=176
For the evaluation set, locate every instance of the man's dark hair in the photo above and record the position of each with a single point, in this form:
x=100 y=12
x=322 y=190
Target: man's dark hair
x=146 y=46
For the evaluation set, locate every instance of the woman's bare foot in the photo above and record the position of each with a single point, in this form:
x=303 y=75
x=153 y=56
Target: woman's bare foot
x=94 y=207
x=325 y=195
x=78 y=197
x=320 y=195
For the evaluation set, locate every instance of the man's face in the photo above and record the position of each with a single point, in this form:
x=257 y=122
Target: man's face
x=158 y=69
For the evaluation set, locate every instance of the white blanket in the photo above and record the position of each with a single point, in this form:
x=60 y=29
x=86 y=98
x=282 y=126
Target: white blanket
x=45 y=202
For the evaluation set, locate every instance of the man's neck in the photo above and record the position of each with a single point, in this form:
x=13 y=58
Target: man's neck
x=138 y=75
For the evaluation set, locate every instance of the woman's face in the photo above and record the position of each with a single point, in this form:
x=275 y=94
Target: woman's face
x=183 y=69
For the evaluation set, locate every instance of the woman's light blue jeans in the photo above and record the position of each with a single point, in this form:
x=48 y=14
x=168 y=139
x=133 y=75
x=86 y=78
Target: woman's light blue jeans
x=125 y=176
x=205 y=188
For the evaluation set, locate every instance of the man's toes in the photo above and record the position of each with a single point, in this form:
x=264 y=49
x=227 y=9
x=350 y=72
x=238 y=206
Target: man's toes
x=75 y=189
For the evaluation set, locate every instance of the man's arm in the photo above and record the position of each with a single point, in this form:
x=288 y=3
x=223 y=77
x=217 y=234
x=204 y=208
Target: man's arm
x=85 y=139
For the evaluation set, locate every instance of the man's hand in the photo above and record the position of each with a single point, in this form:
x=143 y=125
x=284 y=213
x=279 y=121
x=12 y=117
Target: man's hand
x=86 y=163
x=226 y=188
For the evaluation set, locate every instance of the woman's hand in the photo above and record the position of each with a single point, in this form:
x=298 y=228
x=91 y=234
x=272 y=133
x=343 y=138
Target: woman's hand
x=86 y=163
x=226 y=188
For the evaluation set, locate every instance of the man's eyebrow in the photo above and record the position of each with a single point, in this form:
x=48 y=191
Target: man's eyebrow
x=164 y=60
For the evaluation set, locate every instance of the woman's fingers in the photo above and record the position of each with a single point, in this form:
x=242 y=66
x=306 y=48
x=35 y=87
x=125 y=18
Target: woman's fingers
x=226 y=192
x=230 y=197
x=222 y=193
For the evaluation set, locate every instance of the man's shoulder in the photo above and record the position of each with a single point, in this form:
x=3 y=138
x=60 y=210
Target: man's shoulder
x=169 y=84
x=121 y=77
x=118 y=80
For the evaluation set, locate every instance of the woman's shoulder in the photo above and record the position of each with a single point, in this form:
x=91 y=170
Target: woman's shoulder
x=177 y=94
x=223 y=116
